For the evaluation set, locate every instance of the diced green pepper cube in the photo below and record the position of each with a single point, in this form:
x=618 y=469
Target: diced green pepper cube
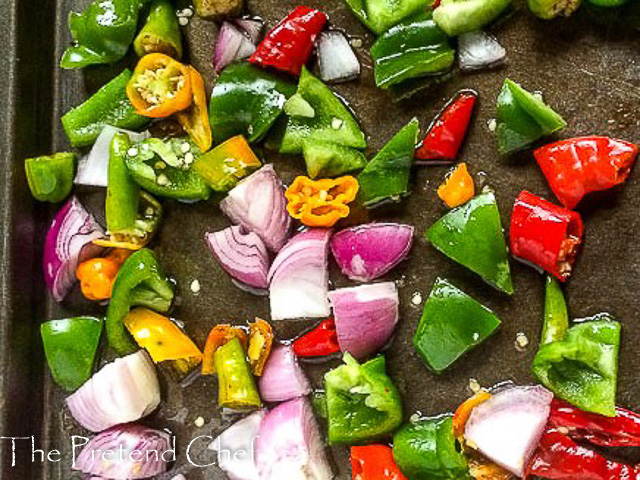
x=51 y=177
x=328 y=159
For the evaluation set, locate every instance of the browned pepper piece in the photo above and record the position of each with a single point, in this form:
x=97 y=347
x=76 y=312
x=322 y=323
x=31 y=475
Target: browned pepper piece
x=218 y=8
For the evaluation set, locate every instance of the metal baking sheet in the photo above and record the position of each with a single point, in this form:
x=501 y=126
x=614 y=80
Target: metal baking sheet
x=588 y=69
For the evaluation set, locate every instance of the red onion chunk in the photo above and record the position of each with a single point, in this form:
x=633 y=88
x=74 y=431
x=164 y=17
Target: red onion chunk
x=252 y=27
x=336 y=59
x=299 y=277
x=478 y=50
x=125 y=452
x=232 y=44
x=71 y=231
x=122 y=391
x=507 y=427
x=365 y=316
x=244 y=256
x=282 y=378
x=236 y=448
x=290 y=446
x=258 y=205
x=367 y=252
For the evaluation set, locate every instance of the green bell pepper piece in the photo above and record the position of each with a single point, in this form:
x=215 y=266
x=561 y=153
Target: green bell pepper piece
x=461 y=16
x=246 y=100
x=608 y=3
x=328 y=159
x=362 y=402
x=452 y=323
x=70 y=345
x=108 y=106
x=472 y=236
x=51 y=177
x=161 y=31
x=413 y=86
x=414 y=48
x=140 y=282
x=102 y=33
x=427 y=450
x=381 y=15
x=556 y=316
x=332 y=121
x=582 y=368
x=297 y=106
x=386 y=177
x=164 y=168
x=236 y=385
x=523 y=118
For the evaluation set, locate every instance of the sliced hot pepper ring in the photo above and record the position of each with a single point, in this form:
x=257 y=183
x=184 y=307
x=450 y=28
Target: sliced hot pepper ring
x=160 y=86
x=219 y=336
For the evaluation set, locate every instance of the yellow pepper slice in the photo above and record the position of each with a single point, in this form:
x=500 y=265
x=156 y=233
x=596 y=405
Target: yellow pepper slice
x=457 y=188
x=195 y=120
x=260 y=343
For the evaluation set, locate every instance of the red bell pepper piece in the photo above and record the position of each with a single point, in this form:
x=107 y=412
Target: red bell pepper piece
x=560 y=458
x=321 y=341
x=449 y=129
x=578 y=166
x=374 y=462
x=289 y=45
x=545 y=235
x=623 y=430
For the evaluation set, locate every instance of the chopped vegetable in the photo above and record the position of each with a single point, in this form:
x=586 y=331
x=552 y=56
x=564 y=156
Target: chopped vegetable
x=218 y=8
x=457 y=188
x=236 y=385
x=160 y=336
x=160 y=86
x=545 y=234
x=246 y=100
x=461 y=16
x=220 y=335
x=463 y=412
x=507 y=427
x=608 y=3
x=258 y=205
x=161 y=31
x=282 y=378
x=195 y=119
x=386 y=177
x=336 y=59
x=137 y=452
x=362 y=402
x=366 y=317
x=479 y=50
x=523 y=118
x=289 y=444
x=329 y=159
x=321 y=341
x=250 y=26
x=232 y=44
x=71 y=345
x=260 y=343
x=321 y=203
x=108 y=106
x=140 y=282
x=582 y=368
x=102 y=33
x=427 y=448
x=556 y=316
x=97 y=275
x=374 y=462
x=299 y=277
x=367 y=252
x=238 y=440
x=413 y=48
x=289 y=45
x=448 y=130
x=579 y=166
x=69 y=242
x=452 y=323
x=332 y=120
x=548 y=9
x=380 y=15
x=123 y=391
x=51 y=177
x=472 y=236
x=243 y=256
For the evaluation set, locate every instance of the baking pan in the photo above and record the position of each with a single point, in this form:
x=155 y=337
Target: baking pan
x=588 y=69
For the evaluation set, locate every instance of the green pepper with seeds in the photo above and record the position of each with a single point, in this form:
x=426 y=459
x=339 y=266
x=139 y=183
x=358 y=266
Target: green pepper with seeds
x=51 y=177
x=161 y=31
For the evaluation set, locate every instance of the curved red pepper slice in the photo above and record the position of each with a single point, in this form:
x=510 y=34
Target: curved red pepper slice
x=578 y=166
x=321 y=341
x=374 y=462
x=289 y=45
x=449 y=129
x=545 y=234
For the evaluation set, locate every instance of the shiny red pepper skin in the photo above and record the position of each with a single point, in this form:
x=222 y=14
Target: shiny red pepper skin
x=289 y=45
x=374 y=462
x=321 y=341
x=560 y=458
x=578 y=166
x=545 y=234
x=622 y=430
x=449 y=129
